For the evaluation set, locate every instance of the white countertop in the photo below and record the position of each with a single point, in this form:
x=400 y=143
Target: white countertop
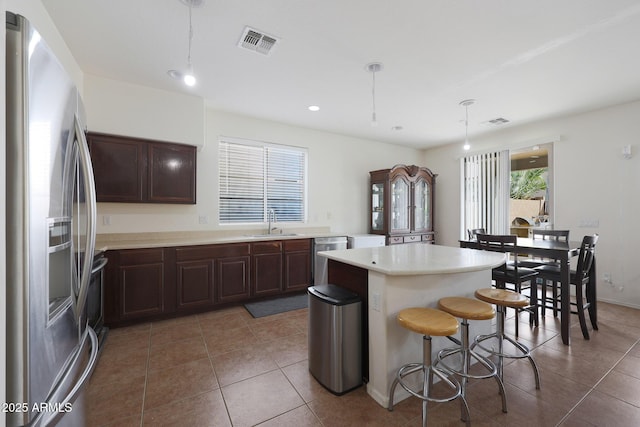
x=417 y=259
x=189 y=238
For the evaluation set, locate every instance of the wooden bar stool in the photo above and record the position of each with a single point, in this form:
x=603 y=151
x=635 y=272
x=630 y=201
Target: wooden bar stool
x=503 y=298
x=468 y=309
x=428 y=322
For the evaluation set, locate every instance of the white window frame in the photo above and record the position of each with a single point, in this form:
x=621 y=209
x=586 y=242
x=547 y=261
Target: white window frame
x=255 y=166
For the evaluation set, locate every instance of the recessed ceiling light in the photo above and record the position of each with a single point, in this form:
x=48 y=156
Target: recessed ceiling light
x=397 y=128
x=314 y=108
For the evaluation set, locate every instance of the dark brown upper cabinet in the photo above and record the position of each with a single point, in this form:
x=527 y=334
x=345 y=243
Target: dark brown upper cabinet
x=135 y=170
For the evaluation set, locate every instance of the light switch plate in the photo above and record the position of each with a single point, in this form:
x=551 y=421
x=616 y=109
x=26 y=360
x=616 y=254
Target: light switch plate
x=375 y=301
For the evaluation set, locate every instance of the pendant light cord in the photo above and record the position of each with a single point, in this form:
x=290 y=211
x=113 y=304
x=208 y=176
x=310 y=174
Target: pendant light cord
x=466 y=104
x=373 y=96
x=190 y=36
x=466 y=124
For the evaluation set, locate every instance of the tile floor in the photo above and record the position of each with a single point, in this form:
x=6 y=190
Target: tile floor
x=226 y=368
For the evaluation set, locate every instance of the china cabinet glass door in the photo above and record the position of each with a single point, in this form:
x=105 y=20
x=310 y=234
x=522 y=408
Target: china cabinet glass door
x=399 y=205
x=421 y=198
x=377 y=206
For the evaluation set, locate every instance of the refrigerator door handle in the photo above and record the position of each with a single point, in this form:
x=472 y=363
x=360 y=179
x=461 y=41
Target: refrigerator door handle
x=80 y=383
x=90 y=199
x=99 y=266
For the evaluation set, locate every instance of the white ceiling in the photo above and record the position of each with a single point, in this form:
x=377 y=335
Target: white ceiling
x=522 y=60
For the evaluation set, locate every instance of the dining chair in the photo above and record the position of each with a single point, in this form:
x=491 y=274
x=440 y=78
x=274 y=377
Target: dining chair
x=511 y=272
x=581 y=280
x=552 y=235
x=473 y=232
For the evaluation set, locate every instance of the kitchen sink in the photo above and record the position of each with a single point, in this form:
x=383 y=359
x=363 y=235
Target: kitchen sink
x=274 y=235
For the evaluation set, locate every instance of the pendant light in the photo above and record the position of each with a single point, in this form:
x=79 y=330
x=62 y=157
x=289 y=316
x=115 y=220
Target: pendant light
x=188 y=78
x=466 y=104
x=373 y=68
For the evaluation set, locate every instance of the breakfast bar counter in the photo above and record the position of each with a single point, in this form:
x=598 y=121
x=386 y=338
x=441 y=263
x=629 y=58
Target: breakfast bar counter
x=390 y=278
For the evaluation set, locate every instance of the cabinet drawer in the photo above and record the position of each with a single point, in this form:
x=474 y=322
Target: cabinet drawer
x=270 y=247
x=394 y=240
x=412 y=239
x=213 y=251
x=297 y=245
x=141 y=256
x=427 y=237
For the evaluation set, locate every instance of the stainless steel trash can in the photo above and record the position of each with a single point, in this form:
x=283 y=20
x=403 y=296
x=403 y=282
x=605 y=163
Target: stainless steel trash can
x=335 y=337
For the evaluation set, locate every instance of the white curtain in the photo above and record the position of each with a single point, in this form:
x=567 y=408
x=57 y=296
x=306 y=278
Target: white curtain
x=485 y=192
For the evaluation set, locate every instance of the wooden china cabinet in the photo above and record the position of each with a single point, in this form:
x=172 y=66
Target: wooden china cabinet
x=401 y=204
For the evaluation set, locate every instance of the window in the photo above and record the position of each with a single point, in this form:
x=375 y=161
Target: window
x=258 y=177
x=531 y=188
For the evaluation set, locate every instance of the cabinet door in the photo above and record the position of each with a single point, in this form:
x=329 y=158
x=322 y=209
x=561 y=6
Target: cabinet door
x=377 y=207
x=141 y=279
x=232 y=278
x=400 y=204
x=421 y=206
x=194 y=284
x=172 y=173
x=297 y=264
x=266 y=268
x=267 y=274
x=119 y=166
x=297 y=271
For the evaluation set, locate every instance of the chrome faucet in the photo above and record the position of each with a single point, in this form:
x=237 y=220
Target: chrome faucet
x=271 y=217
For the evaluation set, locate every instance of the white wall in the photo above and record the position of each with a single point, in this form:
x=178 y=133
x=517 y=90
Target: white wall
x=126 y=109
x=338 y=170
x=592 y=182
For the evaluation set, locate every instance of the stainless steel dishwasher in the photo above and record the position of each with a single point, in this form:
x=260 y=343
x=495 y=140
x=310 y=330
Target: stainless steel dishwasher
x=320 y=244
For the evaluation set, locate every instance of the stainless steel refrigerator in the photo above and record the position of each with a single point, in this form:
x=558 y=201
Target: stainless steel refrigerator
x=51 y=211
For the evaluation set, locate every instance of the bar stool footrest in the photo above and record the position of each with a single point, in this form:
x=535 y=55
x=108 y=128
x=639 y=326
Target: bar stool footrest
x=448 y=352
x=524 y=351
x=411 y=368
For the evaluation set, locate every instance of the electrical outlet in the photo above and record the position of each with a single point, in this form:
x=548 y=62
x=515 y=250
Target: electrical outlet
x=606 y=277
x=106 y=220
x=203 y=219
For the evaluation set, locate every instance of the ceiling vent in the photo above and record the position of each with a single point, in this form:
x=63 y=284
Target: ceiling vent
x=496 y=122
x=257 y=41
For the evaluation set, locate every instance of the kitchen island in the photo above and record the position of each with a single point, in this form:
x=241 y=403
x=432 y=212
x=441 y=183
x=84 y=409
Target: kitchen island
x=391 y=278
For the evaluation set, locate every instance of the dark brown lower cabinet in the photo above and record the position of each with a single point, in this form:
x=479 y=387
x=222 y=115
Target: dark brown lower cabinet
x=194 y=284
x=211 y=274
x=297 y=264
x=141 y=284
x=232 y=278
x=266 y=268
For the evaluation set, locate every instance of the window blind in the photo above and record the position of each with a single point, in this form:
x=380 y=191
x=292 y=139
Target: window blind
x=485 y=192
x=256 y=178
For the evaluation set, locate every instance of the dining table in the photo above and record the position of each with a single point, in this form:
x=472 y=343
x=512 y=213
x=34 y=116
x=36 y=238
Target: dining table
x=562 y=252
